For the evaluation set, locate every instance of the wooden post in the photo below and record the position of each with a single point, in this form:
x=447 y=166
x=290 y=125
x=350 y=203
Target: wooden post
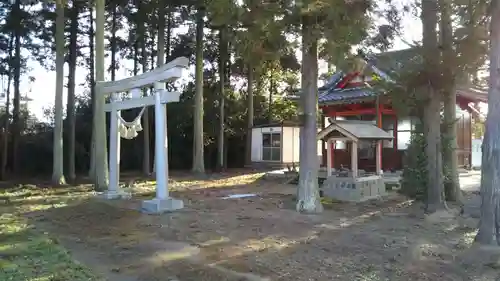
x=377 y=157
x=324 y=150
x=328 y=158
x=395 y=133
x=333 y=144
x=395 y=159
x=354 y=159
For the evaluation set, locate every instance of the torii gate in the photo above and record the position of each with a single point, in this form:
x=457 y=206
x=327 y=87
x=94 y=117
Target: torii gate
x=157 y=78
x=119 y=128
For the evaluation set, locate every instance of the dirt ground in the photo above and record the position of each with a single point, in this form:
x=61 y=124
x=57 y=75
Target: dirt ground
x=263 y=238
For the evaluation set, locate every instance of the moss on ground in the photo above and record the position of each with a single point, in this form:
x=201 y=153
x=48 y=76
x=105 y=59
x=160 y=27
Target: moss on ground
x=27 y=254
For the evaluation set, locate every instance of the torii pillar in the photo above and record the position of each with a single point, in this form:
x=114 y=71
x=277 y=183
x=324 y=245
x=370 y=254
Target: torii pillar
x=101 y=179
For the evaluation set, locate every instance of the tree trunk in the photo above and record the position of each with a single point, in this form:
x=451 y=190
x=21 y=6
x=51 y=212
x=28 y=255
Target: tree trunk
x=146 y=157
x=16 y=124
x=308 y=200
x=452 y=183
x=5 y=137
x=151 y=92
x=435 y=201
x=101 y=150
x=160 y=58
x=248 y=146
x=70 y=106
x=489 y=226
x=168 y=41
x=57 y=169
x=432 y=117
x=222 y=76
x=198 y=144
x=113 y=44
x=136 y=57
x=271 y=92
x=227 y=86
x=160 y=61
x=92 y=87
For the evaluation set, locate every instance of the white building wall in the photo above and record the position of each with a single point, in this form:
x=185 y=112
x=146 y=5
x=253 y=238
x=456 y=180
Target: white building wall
x=287 y=145
x=320 y=151
x=256 y=144
x=290 y=144
x=271 y=130
x=257 y=141
x=296 y=144
x=477 y=153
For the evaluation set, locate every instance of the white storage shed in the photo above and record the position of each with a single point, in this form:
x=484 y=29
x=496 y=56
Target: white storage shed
x=277 y=144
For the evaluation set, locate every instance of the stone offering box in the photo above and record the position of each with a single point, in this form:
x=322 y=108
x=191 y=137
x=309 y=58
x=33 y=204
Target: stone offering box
x=353 y=186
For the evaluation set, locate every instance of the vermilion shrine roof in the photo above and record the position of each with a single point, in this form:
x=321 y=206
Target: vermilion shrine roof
x=333 y=92
x=473 y=94
x=343 y=88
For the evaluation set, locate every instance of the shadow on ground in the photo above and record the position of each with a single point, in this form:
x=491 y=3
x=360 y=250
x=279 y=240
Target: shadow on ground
x=258 y=238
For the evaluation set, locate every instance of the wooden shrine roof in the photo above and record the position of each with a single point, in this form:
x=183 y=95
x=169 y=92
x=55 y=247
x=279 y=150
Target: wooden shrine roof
x=473 y=94
x=339 y=89
x=383 y=65
x=344 y=96
x=354 y=130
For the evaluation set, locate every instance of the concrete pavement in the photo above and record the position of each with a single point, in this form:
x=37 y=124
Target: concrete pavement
x=470 y=182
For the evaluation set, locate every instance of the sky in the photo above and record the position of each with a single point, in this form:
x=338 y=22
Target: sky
x=42 y=90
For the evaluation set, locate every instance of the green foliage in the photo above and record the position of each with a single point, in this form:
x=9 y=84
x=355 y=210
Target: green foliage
x=263 y=37
x=467 y=55
x=447 y=172
x=180 y=129
x=414 y=177
x=477 y=127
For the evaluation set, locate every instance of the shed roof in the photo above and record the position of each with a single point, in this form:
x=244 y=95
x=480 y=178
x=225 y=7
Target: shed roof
x=286 y=123
x=355 y=130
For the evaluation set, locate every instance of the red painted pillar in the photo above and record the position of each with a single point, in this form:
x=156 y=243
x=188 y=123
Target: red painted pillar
x=333 y=145
x=396 y=159
x=324 y=149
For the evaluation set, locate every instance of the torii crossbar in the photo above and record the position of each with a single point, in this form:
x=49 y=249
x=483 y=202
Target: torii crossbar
x=157 y=78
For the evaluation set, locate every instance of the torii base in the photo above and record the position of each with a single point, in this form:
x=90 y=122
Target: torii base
x=115 y=194
x=159 y=206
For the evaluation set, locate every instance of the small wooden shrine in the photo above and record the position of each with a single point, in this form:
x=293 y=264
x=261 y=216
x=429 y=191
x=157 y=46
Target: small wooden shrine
x=349 y=96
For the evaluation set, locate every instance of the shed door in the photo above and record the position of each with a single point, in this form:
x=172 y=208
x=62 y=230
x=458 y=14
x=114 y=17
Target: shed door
x=477 y=154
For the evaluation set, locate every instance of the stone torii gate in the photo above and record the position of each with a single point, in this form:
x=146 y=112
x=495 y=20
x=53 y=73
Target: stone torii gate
x=120 y=128
x=157 y=78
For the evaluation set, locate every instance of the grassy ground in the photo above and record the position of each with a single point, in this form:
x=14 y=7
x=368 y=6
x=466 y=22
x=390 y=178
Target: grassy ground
x=27 y=254
x=212 y=239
